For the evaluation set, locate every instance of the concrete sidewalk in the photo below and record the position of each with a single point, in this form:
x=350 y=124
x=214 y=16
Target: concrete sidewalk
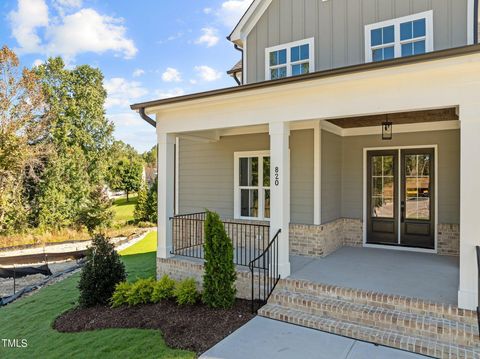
x=266 y=338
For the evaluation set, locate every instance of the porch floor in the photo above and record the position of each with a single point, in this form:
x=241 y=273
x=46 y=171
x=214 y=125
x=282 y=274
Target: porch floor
x=419 y=275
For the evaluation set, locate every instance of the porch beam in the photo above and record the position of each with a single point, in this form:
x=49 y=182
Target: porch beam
x=469 y=202
x=280 y=191
x=166 y=189
x=317 y=173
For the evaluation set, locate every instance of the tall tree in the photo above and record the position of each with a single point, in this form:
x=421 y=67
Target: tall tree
x=81 y=136
x=22 y=135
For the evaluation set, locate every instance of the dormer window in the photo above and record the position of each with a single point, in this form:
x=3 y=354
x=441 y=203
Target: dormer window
x=292 y=59
x=405 y=36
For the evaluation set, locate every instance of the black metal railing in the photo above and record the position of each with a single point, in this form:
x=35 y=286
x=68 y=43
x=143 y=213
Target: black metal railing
x=249 y=239
x=478 y=288
x=264 y=269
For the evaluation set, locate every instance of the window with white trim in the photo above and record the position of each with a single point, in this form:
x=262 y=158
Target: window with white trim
x=252 y=185
x=292 y=59
x=401 y=37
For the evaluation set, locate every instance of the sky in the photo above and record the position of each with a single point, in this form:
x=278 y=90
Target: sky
x=146 y=49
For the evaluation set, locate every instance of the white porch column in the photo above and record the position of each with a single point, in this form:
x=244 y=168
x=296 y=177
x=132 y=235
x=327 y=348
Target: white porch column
x=469 y=205
x=317 y=173
x=280 y=191
x=166 y=188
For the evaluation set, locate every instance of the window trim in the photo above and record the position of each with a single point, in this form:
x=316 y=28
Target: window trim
x=236 y=197
x=427 y=15
x=288 y=46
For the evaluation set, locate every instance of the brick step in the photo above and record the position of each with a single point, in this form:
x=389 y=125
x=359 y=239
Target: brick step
x=387 y=301
x=427 y=326
x=389 y=338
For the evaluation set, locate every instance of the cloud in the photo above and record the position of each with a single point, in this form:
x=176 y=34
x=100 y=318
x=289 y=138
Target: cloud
x=84 y=30
x=30 y=15
x=127 y=119
x=208 y=74
x=207 y=10
x=138 y=72
x=122 y=92
x=37 y=62
x=171 y=75
x=231 y=11
x=169 y=93
x=209 y=37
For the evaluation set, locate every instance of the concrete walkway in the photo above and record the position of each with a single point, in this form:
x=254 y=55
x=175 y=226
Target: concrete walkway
x=266 y=338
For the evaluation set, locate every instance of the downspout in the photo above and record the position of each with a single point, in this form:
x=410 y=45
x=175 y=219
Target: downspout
x=238 y=48
x=146 y=118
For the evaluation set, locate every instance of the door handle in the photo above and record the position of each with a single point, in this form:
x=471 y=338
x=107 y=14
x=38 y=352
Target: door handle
x=402 y=212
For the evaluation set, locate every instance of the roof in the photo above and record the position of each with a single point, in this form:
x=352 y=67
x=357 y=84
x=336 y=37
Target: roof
x=238 y=67
x=431 y=56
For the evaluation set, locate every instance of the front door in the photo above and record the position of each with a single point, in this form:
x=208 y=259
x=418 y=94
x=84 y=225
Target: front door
x=400 y=197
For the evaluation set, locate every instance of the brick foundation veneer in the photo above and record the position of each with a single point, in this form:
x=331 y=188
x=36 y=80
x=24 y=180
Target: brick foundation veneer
x=322 y=240
x=180 y=268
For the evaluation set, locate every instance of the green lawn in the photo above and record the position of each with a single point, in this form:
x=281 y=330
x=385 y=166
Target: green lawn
x=124 y=210
x=31 y=318
x=148 y=244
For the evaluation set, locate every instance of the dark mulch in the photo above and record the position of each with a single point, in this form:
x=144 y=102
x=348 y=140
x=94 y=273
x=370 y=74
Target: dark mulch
x=196 y=328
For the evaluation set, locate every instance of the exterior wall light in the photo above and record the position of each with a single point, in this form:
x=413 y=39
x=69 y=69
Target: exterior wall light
x=387 y=127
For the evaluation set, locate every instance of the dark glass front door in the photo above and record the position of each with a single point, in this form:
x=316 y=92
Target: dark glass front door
x=400 y=198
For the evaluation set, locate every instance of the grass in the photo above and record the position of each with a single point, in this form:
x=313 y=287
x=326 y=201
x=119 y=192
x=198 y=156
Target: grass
x=32 y=317
x=124 y=210
x=148 y=244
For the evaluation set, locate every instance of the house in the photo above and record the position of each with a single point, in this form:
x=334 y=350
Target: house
x=346 y=166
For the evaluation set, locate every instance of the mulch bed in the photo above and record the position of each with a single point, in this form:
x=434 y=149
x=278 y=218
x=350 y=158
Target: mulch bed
x=196 y=328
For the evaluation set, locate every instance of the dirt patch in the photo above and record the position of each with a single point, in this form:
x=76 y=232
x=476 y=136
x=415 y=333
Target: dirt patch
x=196 y=328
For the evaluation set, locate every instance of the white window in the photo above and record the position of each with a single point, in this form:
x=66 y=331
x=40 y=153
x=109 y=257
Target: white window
x=405 y=36
x=252 y=185
x=292 y=59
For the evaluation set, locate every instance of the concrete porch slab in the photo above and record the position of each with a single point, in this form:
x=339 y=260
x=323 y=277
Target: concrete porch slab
x=412 y=274
x=267 y=338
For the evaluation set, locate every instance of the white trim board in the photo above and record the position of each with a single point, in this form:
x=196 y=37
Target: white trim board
x=365 y=209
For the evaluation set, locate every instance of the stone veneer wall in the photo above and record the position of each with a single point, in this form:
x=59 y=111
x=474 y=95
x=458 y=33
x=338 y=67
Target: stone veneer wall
x=180 y=268
x=322 y=240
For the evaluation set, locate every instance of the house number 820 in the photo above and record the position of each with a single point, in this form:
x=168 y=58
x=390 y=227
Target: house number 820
x=277 y=176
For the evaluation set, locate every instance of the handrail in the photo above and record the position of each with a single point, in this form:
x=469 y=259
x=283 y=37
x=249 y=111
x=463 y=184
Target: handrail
x=270 y=272
x=478 y=288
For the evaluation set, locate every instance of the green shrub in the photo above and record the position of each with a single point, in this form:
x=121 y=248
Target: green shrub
x=185 y=292
x=219 y=278
x=140 y=292
x=101 y=273
x=120 y=296
x=163 y=289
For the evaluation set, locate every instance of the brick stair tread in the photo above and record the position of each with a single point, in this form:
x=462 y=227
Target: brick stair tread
x=405 y=304
x=448 y=325
x=391 y=338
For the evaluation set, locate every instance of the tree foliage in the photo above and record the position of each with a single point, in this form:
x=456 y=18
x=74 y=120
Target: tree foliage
x=22 y=138
x=140 y=213
x=97 y=214
x=219 y=277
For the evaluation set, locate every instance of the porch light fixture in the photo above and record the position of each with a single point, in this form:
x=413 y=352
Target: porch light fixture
x=387 y=129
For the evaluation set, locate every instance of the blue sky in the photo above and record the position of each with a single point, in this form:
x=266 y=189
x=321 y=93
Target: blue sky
x=146 y=49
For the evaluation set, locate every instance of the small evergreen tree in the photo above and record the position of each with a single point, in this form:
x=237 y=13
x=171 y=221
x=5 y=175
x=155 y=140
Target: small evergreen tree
x=140 y=212
x=152 y=200
x=98 y=213
x=100 y=275
x=219 y=278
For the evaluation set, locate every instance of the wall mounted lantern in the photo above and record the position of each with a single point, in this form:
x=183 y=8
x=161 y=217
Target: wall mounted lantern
x=387 y=129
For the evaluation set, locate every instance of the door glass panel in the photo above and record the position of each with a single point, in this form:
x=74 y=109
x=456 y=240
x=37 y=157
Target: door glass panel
x=249 y=202
x=417 y=186
x=249 y=172
x=383 y=186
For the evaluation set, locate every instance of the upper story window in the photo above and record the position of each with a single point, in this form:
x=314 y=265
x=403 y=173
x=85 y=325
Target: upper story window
x=405 y=36
x=292 y=59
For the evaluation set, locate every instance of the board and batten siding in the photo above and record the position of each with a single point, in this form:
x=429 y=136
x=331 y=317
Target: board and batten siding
x=206 y=173
x=338 y=28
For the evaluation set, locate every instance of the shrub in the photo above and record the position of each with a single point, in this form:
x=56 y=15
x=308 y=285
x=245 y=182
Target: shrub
x=185 y=292
x=140 y=292
x=219 y=278
x=163 y=289
x=120 y=296
x=101 y=273
x=140 y=213
x=151 y=205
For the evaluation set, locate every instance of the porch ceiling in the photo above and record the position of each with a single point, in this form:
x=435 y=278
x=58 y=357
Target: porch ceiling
x=446 y=114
